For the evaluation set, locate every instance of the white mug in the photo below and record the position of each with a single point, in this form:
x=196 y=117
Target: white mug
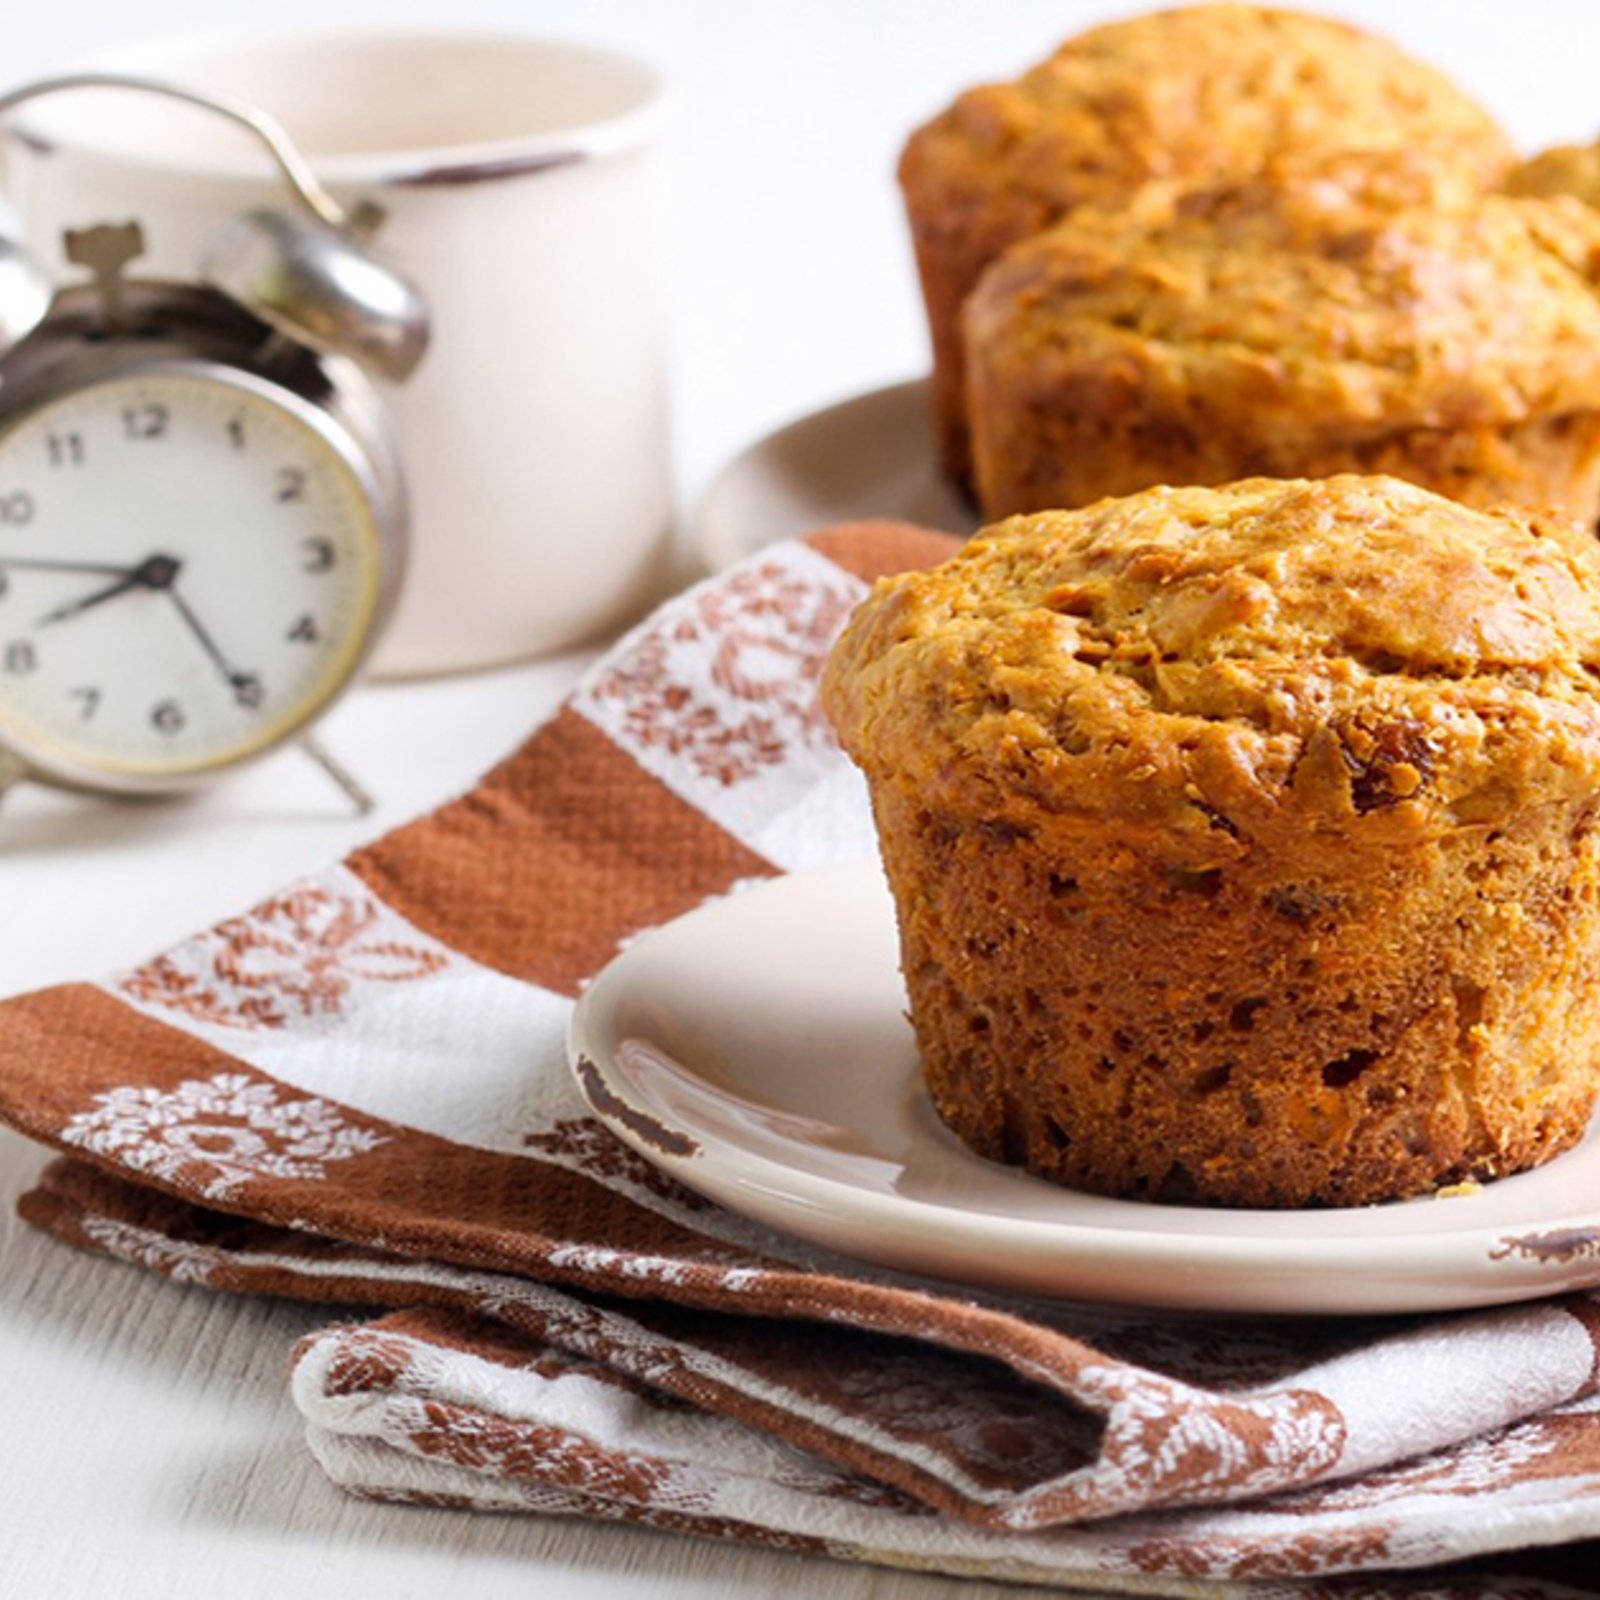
x=518 y=177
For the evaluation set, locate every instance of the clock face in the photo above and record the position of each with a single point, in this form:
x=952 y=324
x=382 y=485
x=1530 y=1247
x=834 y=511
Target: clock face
x=189 y=570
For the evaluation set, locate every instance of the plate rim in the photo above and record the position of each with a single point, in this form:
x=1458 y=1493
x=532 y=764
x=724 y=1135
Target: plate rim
x=715 y=551
x=1424 y=1259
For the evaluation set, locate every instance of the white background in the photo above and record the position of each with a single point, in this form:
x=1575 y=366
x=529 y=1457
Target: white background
x=149 y=1449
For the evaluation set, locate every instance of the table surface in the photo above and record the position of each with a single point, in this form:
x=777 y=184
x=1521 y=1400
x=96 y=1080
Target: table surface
x=150 y=1443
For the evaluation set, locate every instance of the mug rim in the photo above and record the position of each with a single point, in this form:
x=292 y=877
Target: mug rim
x=588 y=139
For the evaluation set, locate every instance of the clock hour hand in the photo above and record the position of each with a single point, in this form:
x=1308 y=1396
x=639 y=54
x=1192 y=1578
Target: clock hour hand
x=87 y=602
x=154 y=572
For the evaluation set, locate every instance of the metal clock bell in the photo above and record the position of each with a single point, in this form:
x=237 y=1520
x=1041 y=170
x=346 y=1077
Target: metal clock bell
x=202 y=514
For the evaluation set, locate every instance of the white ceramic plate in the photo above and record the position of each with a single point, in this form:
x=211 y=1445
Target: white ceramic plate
x=870 y=456
x=757 y=1050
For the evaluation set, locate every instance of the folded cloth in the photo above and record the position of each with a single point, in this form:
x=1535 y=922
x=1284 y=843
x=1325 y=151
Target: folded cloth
x=356 y=1093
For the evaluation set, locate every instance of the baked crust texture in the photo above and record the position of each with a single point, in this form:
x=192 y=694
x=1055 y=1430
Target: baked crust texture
x=1363 y=313
x=1202 y=92
x=1243 y=840
x=1570 y=169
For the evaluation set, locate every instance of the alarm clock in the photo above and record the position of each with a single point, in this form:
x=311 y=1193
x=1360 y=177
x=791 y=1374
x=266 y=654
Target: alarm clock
x=202 y=510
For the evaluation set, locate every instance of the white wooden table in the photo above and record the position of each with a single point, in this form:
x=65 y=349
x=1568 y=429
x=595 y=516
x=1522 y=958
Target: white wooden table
x=150 y=1451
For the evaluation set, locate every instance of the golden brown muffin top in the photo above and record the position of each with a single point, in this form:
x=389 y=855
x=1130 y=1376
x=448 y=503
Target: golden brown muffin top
x=1286 y=661
x=1349 y=297
x=1568 y=169
x=1210 y=90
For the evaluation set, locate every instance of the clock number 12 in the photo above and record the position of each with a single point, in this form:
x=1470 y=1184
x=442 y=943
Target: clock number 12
x=147 y=420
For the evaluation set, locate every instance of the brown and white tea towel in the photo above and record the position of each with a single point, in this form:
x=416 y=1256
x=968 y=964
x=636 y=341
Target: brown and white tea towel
x=356 y=1093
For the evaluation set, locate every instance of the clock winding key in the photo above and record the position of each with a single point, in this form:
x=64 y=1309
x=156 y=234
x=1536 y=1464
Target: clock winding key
x=106 y=250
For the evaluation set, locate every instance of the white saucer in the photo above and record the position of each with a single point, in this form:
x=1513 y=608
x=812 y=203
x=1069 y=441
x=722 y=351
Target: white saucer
x=869 y=456
x=756 y=1049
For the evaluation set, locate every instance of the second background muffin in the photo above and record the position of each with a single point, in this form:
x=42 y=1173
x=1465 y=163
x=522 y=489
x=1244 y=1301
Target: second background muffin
x=1363 y=313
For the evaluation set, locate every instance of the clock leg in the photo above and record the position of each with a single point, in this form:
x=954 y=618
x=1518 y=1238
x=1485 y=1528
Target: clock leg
x=340 y=774
x=12 y=771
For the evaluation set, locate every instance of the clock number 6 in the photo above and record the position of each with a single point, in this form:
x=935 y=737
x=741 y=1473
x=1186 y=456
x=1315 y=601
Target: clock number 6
x=167 y=717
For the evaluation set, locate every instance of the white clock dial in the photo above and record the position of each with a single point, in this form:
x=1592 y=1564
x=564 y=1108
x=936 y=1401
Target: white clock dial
x=189 y=569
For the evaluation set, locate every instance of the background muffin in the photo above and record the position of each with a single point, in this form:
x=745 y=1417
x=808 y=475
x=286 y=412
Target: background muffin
x=1202 y=92
x=1572 y=169
x=1363 y=314
x=1243 y=840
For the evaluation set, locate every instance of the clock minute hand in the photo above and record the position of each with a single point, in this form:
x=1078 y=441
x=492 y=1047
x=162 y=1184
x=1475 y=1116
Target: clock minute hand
x=245 y=685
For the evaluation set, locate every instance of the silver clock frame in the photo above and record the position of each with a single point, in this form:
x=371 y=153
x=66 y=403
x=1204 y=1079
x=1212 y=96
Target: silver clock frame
x=195 y=332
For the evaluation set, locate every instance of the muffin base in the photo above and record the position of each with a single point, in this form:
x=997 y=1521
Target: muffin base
x=1248 y=1035
x=948 y=268
x=1060 y=454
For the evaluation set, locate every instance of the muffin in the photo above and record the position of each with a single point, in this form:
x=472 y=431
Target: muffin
x=1360 y=314
x=1243 y=839
x=1570 y=169
x=1204 y=92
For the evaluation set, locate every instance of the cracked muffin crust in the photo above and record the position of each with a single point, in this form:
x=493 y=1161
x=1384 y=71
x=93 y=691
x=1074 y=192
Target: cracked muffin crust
x=1570 y=169
x=1243 y=840
x=1203 y=92
x=1363 y=313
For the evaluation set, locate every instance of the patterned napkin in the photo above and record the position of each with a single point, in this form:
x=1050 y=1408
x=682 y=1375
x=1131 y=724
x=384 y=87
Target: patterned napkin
x=356 y=1093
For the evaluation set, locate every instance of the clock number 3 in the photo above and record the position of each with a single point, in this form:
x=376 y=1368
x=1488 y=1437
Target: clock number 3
x=320 y=555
